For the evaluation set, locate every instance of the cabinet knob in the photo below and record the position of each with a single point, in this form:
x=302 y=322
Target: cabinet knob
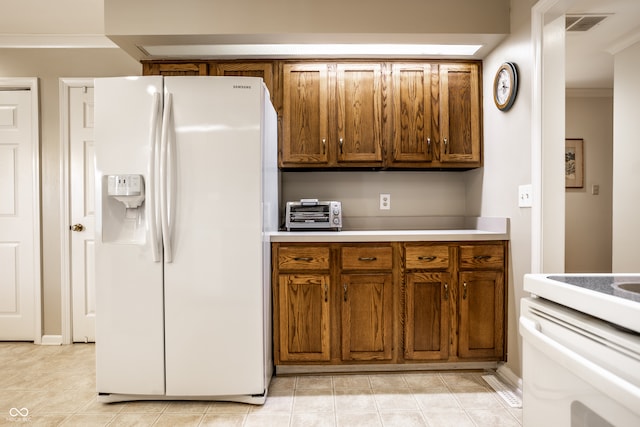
x=77 y=227
x=464 y=290
x=446 y=146
x=341 y=143
x=324 y=145
x=446 y=291
x=344 y=286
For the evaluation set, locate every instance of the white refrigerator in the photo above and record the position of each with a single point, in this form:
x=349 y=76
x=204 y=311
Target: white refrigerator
x=187 y=194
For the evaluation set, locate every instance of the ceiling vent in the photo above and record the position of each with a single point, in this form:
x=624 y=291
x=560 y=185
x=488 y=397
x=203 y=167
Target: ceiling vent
x=581 y=23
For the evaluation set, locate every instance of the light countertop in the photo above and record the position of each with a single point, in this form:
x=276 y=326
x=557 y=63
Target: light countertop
x=590 y=293
x=462 y=229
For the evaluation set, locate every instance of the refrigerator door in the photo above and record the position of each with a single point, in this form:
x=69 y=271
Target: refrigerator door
x=214 y=289
x=129 y=292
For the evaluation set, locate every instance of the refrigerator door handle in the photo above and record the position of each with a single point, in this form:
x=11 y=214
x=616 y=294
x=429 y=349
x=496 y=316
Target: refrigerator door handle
x=165 y=169
x=152 y=205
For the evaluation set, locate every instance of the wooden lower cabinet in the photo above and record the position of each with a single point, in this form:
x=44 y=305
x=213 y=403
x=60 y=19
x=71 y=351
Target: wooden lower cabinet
x=481 y=314
x=366 y=316
x=304 y=317
x=389 y=303
x=426 y=322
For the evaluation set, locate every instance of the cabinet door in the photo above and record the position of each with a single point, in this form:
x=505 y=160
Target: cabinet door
x=359 y=112
x=305 y=125
x=411 y=114
x=175 y=69
x=304 y=317
x=263 y=70
x=367 y=311
x=426 y=316
x=481 y=318
x=460 y=138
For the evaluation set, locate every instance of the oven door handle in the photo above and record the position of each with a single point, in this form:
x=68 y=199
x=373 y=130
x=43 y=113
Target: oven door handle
x=617 y=388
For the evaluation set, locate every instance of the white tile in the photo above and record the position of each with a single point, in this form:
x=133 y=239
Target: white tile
x=305 y=401
x=355 y=400
x=57 y=385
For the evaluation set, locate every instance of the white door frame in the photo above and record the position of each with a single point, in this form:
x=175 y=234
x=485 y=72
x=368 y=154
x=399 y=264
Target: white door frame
x=65 y=246
x=31 y=84
x=547 y=226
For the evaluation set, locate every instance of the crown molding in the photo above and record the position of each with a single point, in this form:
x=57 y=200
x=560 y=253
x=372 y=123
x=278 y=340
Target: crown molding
x=624 y=42
x=55 y=41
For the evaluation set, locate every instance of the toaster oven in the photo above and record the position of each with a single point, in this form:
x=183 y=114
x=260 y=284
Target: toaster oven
x=313 y=214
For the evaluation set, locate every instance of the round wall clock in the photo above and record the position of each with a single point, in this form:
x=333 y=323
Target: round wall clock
x=505 y=86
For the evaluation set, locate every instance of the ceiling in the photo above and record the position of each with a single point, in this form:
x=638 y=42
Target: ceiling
x=589 y=54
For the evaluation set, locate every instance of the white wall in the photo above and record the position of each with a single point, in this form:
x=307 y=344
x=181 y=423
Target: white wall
x=626 y=161
x=49 y=65
x=589 y=115
x=424 y=193
x=52 y=17
x=493 y=190
x=332 y=17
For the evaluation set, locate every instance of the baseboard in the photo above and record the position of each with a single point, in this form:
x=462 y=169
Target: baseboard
x=382 y=368
x=508 y=376
x=51 y=340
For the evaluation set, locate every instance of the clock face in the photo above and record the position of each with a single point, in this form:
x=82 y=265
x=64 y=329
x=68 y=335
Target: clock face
x=505 y=86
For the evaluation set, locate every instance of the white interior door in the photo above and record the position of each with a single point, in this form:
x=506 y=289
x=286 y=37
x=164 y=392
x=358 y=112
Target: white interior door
x=19 y=220
x=81 y=202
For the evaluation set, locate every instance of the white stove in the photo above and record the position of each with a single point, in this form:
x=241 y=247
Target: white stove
x=581 y=350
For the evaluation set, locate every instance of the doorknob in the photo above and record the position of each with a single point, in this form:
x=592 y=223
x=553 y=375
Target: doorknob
x=77 y=227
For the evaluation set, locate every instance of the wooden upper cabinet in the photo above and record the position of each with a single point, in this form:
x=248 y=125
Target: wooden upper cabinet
x=175 y=69
x=411 y=117
x=263 y=70
x=358 y=114
x=305 y=115
x=460 y=114
x=359 y=117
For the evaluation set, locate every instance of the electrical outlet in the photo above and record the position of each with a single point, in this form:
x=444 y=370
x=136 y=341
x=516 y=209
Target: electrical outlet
x=385 y=201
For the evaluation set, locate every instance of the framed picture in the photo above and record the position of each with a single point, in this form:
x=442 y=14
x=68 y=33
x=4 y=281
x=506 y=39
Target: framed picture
x=573 y=163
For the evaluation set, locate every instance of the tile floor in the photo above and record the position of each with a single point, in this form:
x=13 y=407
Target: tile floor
x=54 y=385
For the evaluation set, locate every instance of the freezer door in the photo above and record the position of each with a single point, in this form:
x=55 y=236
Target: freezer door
x=129 y=293
x=214 y=288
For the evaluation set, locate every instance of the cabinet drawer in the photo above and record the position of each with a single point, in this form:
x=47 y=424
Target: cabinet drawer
x=426 y=257
x=481 y=256
x=303 y=258
x=367 y=258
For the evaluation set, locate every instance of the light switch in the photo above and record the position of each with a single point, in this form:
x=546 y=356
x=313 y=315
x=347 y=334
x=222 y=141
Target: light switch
x=595 y=189
x=525 y=196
